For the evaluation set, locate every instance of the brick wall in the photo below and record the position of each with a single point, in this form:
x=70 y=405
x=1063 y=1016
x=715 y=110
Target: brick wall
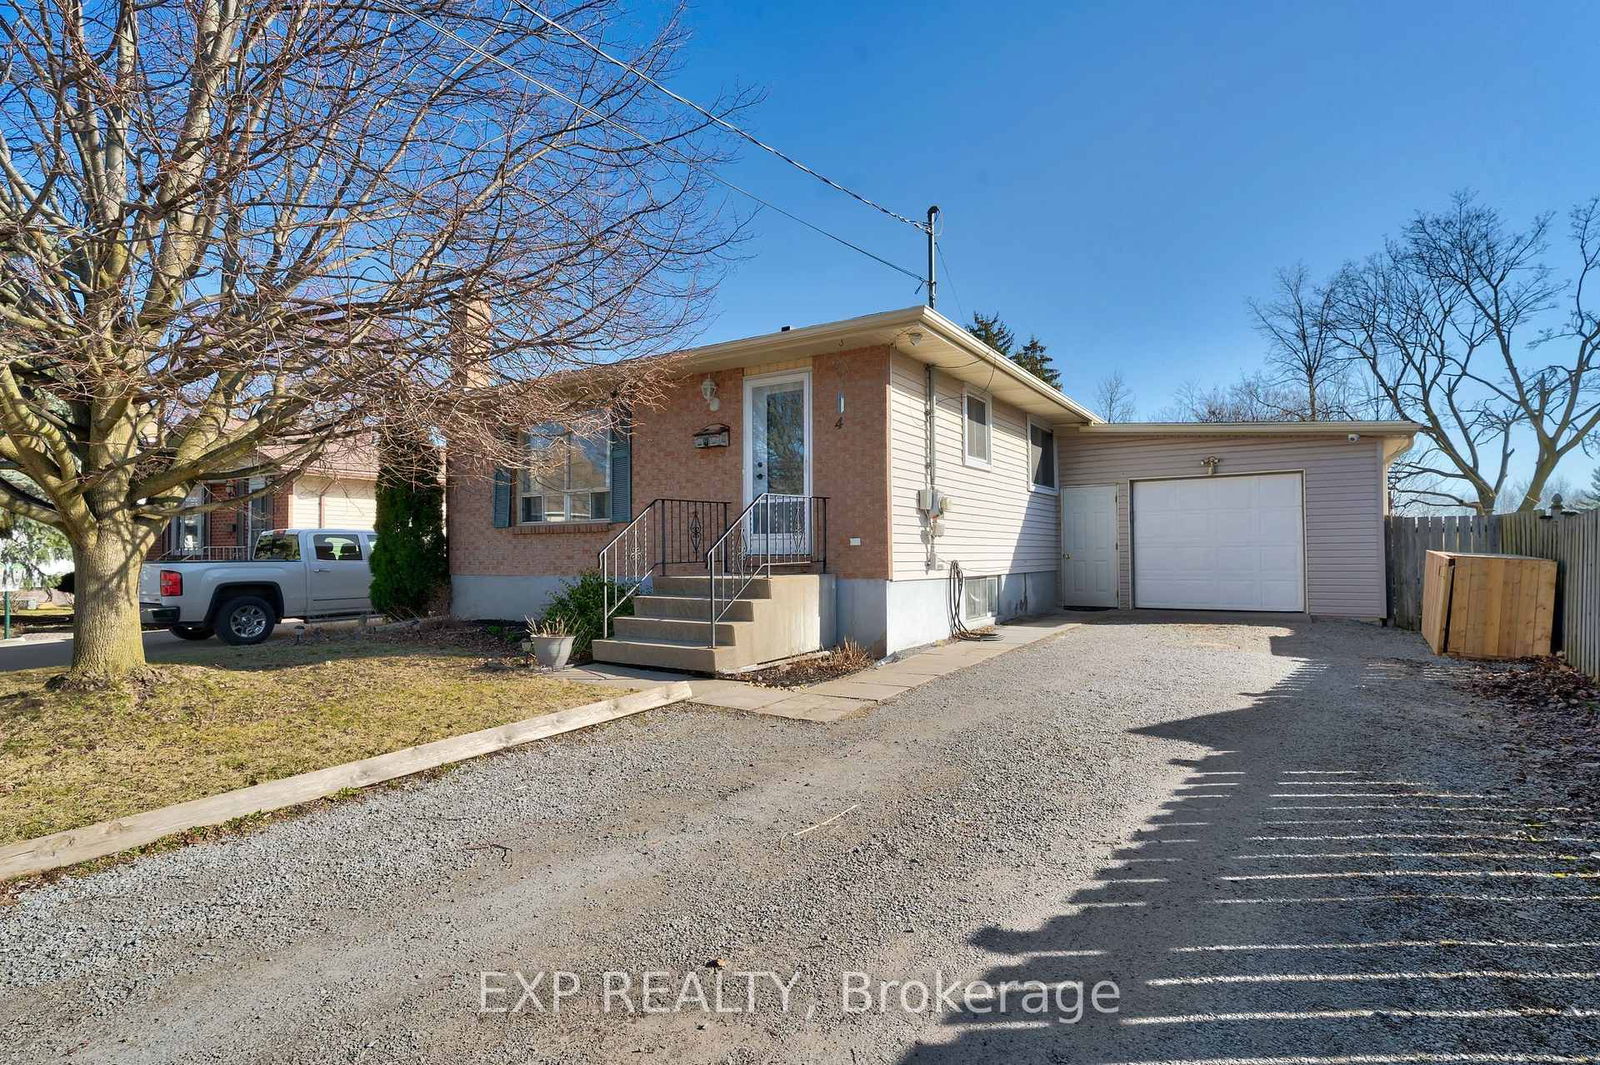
x=226 y=526
x=849 y=465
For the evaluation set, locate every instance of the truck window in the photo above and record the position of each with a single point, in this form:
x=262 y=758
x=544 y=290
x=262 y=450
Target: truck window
x=276 y=547
x=334 y=547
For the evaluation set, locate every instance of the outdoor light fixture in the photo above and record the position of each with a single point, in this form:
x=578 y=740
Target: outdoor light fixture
x=708 y=389
x=1211 y=462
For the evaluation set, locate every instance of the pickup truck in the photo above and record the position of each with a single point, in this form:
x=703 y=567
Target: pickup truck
x=315 y=574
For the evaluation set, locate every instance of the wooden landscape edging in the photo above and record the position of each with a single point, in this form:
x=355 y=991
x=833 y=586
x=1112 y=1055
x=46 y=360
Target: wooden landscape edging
x=108 y=837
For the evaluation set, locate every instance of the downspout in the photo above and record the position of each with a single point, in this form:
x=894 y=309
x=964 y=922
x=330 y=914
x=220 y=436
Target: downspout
x=930 y=465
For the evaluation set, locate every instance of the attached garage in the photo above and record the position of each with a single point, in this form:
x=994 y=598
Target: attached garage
x=1269 y=517
x=1219 y=543
x=334 y=503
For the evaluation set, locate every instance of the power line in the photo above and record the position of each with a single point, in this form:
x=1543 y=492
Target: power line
x=718 y=119
x=646 y=142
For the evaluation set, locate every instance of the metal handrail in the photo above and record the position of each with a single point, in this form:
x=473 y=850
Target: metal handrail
x=667 y=532
x=794 y=531
x=240 y=553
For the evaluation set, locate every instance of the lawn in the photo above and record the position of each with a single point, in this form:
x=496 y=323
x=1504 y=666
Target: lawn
x=49 y=617
x=224 y=718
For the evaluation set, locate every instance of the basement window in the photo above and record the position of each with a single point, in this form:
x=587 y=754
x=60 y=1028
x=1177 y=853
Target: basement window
x=979 y=598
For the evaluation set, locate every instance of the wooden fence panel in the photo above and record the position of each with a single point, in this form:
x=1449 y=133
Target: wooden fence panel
x=1571 y=540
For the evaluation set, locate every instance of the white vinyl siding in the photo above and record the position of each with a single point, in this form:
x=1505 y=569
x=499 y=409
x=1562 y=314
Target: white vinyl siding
x=1344 y=500
x=996 y=523
x=333 y=503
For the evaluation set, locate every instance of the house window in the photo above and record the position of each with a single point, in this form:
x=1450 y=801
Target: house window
x=975 y=428
x=570 y=479
x=259 y=517
x=1042 y=457
x=188 y=531
x=979 y=596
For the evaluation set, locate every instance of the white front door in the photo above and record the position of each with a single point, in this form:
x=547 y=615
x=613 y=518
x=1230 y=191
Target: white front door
x=777 y=462
x=1089 y=545
x=1219 y=543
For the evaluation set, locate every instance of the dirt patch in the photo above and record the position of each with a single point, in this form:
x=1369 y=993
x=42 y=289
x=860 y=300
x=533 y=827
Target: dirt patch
x=842 y=661
x=1553 y=711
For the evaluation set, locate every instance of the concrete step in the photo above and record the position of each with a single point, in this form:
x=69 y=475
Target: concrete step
x=691 y=607
x=666 y=654
x=679 y=630
x=759 y=588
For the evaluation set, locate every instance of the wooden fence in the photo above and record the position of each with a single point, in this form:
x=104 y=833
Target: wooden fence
x=1572 y=540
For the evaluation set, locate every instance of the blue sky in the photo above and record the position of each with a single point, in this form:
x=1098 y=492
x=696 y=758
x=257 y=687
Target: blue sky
x=1120 y=178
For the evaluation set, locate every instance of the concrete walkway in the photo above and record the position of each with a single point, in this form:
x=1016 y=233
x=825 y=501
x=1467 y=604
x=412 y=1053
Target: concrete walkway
x=835 y=700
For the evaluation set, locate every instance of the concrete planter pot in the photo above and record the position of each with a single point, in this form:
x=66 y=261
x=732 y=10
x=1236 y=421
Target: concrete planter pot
x=551 y=652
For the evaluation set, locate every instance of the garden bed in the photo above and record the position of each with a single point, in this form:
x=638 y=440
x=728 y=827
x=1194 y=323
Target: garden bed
x=842 y=661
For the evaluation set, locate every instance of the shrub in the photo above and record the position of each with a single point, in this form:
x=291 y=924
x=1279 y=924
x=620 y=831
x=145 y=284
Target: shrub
x=67 y=582
x=409 y=563
x=580 y=607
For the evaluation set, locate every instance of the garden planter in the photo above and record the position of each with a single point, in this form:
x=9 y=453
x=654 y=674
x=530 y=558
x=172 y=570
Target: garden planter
x=551 y=652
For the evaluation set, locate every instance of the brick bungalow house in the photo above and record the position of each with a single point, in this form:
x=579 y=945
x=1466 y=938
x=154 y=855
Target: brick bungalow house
x=891 y=478
x=338 y=490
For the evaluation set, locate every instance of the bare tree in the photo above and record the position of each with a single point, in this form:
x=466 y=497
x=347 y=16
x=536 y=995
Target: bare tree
x=1303 y=352
x=1464 y=329
x=1253 y=398
x=232 y=233
x=1114 y=398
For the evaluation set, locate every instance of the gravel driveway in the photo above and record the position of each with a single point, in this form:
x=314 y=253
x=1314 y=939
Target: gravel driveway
x=1287 y=841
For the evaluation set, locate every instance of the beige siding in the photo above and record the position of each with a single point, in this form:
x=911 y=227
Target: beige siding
x=1344 y=500
x=333 y=503
x=996 y=523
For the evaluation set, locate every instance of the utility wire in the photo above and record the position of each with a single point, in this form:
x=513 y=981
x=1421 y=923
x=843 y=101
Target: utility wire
x=649 y=144
x=718 y=119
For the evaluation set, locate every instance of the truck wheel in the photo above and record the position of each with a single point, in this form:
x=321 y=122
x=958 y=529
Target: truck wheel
x=193 y=632
x=246 y=619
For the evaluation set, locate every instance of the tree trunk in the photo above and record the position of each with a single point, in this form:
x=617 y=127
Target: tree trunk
x=107 y=640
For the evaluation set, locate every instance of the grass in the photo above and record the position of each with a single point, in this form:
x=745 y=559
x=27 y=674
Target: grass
x=224 y=718
x=50 y=617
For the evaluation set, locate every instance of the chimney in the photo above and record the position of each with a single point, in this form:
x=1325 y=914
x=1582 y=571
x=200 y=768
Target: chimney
x=470 y=343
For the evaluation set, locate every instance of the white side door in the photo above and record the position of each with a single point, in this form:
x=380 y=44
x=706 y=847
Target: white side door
x=1089 y=545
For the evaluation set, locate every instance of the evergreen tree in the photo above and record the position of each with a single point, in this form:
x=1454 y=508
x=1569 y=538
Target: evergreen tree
x=26 y=547
x=1031 y=356
x=409 y=563
x=1590 y=499
x=992 y=331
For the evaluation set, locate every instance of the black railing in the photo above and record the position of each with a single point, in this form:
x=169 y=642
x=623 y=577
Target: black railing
x=774 y=530
x=668 y=532
x=206 y=554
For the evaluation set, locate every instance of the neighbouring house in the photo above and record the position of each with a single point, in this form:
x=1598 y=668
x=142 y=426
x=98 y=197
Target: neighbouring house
x=337 y=491
x=830 y=482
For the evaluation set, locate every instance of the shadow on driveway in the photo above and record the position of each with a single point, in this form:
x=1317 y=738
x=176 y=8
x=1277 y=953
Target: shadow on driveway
x=1326 y=886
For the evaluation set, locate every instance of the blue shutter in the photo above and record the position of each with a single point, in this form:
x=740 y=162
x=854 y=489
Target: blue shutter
x=502 y=498
x=622 y=470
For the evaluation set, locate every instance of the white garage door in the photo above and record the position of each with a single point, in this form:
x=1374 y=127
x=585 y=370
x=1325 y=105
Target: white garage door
x=1219 y=543
x=320 y=502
